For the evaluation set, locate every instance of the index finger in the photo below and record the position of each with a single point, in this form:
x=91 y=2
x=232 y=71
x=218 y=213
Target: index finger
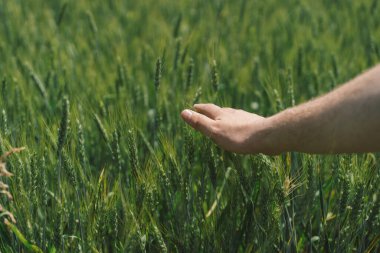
x=210 y=110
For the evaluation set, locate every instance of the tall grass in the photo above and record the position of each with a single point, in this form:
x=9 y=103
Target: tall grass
x=94 y=90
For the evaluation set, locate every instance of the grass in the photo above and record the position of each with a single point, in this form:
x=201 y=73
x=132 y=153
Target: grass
x=93 y=90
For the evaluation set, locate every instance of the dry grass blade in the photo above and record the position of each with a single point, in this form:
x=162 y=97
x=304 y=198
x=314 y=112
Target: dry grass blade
x=219 y=194
x=12 y=151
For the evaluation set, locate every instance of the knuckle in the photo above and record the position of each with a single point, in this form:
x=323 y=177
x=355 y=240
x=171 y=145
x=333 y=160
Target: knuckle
x=213 y=135
x=196 y=122
x=214 y=131
x=229 y=109
x=217 y=128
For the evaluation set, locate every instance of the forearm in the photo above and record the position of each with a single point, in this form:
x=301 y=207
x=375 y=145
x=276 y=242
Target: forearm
x=343 y=121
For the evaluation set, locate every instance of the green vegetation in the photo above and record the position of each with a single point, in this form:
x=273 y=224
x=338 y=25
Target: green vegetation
x=93 y=91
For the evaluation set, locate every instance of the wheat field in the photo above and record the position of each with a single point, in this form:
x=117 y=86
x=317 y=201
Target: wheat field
x=92 y=90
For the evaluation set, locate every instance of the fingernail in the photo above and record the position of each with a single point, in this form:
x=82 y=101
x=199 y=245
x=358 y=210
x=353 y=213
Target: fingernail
x=187 y=114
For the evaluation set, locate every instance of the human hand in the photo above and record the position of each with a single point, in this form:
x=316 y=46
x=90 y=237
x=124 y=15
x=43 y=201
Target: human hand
x=233 y=130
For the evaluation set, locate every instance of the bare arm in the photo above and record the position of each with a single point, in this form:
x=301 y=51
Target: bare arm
x=346 y=120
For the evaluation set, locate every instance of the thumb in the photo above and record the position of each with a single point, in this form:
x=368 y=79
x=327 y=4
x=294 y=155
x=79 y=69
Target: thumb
x=198 y=121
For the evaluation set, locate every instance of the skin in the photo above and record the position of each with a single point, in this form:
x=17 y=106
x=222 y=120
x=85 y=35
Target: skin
x=345 y=120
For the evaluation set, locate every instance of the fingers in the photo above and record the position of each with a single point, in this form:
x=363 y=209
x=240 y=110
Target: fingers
x=199 y=122
x=210 y=110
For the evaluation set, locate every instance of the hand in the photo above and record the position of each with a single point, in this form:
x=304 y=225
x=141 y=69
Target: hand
x=233 y=130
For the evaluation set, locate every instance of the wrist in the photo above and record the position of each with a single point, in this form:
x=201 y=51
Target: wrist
x=278 y=138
